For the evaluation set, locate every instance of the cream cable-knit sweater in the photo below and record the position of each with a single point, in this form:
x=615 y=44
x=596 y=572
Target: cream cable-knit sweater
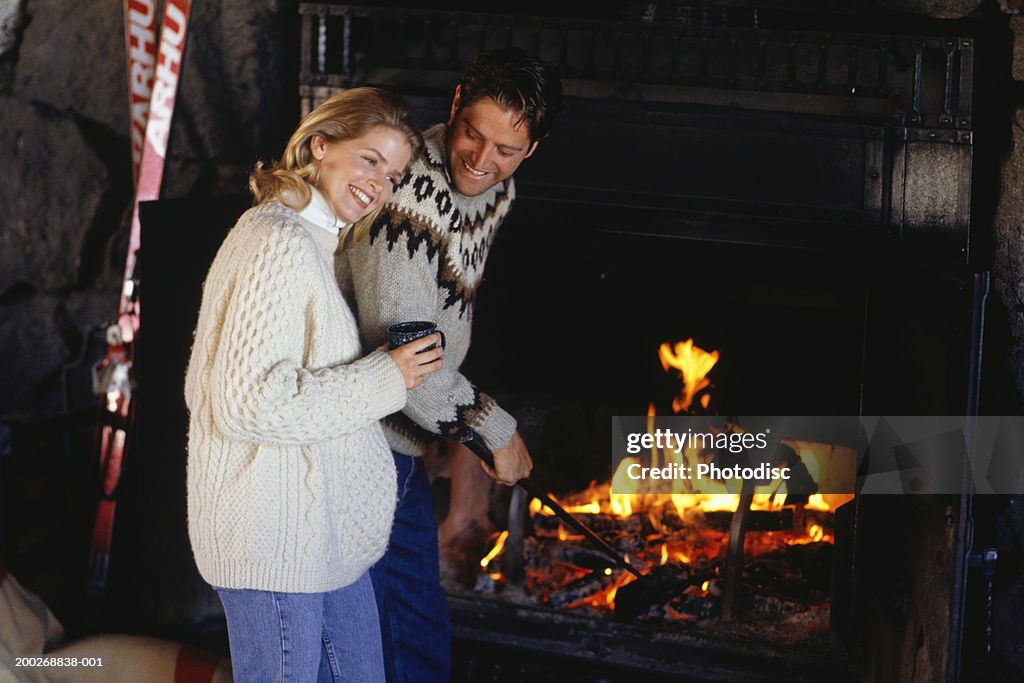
x=291 y=484
x=424 y=260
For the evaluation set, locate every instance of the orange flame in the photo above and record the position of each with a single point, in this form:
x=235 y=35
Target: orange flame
x=591 y=508
x=498 y=547
x=539 y=508
x=693 y=363
x=620 y=502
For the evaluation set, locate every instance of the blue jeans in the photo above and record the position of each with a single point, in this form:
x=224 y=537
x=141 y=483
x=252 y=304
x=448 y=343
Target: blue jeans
x=304 y=636
x=415 y=623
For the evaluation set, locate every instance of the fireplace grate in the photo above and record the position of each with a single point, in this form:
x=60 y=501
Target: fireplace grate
x=924 y=80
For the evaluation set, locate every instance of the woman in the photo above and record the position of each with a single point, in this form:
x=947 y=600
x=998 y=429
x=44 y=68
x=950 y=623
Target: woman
x=291 y=485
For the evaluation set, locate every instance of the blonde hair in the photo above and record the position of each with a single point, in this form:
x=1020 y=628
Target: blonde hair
x=344 y=116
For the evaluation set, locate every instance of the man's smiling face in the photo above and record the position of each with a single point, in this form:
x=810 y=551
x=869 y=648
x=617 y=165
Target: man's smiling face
x=486 y=144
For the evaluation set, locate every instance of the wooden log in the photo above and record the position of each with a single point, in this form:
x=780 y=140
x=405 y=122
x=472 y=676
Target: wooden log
x=581 y=556
x=694 y=606
x=629 y=544
x=757 y=520
x=611 y=525
x=580 y=589
x=653 y=590
x=603 y=525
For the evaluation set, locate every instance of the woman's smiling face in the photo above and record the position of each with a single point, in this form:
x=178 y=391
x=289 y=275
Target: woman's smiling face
x=358 y=175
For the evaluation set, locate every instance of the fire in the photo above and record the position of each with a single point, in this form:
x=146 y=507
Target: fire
x=538 y=508
x=620 y=502
x=815 y=533
x=602 y=499
x=693 y=363
x=498 y=547
x=591 y=508
x=817 y=502
x=685 y=527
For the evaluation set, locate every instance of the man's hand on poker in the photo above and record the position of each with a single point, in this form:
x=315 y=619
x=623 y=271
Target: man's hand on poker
x=511 y=463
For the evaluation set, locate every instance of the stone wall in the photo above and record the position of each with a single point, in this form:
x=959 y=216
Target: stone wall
x=1008 y=267
x=65 y=204
x=65 y=208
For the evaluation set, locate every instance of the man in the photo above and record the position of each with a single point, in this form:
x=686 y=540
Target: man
x=423 y=260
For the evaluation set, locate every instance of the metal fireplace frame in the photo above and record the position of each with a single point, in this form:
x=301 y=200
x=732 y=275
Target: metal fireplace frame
x=911 y=95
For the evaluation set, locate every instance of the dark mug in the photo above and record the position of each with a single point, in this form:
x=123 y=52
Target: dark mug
x=403 y=333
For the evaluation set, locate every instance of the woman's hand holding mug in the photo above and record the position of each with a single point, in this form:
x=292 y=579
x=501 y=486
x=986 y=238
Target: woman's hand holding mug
x=418 y=357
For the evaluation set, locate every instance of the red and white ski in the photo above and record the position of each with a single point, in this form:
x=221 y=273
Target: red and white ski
x=154 y=69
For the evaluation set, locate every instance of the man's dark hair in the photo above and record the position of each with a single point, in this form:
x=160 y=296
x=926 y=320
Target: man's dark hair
x=516 y=82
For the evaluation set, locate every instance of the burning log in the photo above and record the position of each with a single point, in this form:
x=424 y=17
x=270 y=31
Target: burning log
x=627 y=535
x=671 y=523
x=801 y=572
x=757 y=520
x=581 y=588
x=580 y=556
x=694 y=606
x=655 y=589
x=629 y=544
x=604 y=525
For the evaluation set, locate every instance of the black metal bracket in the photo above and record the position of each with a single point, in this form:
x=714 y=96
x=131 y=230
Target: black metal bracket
x=987 y=560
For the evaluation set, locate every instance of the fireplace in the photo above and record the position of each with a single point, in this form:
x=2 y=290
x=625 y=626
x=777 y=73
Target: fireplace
x=798 y=201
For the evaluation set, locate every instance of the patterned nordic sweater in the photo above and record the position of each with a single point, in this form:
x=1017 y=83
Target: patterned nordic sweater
x=424 y=260
x=291 y=485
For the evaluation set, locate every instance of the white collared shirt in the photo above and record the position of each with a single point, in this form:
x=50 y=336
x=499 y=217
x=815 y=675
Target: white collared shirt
x=319 y=212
